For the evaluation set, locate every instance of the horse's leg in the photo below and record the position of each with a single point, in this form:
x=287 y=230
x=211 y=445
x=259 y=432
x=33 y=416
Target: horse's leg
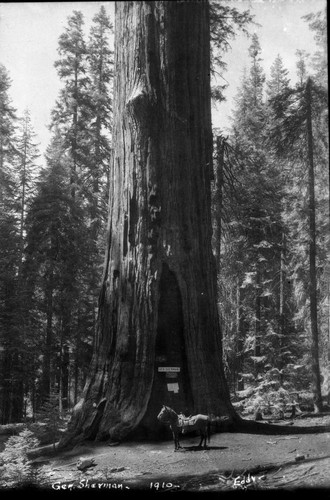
x=174 y=439
x=177 y=439
x=202 y=439
x=204 y=436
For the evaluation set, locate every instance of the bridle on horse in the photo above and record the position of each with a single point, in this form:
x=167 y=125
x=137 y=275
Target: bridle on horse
x=170 y=419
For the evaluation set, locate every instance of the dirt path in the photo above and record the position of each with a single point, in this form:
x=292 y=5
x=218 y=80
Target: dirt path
x=232 y=461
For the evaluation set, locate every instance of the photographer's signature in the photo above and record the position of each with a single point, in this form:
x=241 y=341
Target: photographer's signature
x=243 y=482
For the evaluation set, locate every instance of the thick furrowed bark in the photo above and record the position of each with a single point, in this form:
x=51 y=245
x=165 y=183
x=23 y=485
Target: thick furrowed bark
x=159 y=221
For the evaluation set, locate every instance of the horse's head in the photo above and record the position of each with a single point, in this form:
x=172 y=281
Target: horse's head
x=167 y=415
x=162 y=414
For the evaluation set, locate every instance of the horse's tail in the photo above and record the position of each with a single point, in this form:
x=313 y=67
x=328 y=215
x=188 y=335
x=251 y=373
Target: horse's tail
x=208 y=430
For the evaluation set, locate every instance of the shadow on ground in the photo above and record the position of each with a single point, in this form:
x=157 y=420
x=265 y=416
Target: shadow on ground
x=200 y=448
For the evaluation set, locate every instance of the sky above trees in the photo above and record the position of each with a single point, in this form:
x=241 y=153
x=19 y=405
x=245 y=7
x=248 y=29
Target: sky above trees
x=29 y=34
x=282 y=31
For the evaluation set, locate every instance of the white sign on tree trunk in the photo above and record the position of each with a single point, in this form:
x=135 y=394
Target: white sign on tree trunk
x=169 y=368
x=173 y=387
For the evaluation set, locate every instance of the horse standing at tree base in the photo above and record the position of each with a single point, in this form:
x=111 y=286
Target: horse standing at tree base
x=179 y=423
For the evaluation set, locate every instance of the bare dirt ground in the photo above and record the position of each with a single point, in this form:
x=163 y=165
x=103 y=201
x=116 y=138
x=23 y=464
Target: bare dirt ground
x=232 y=462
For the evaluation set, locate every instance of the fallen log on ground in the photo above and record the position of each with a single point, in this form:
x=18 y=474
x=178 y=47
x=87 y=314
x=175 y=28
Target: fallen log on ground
x=253 y=427
x=49 y=449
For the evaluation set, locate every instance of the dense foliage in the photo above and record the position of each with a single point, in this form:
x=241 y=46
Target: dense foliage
x=53 y=217
x=16 y=468
x=274 y=218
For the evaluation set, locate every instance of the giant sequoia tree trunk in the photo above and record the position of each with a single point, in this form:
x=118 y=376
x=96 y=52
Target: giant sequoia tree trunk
x=218 y=199
x=158 y=300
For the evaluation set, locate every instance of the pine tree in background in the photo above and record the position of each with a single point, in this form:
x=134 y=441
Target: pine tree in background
x=252 y=272
x=82 y=124
x=286 y=339
x=227 y=247
x=50 y=414
x=260 y=208
x=71 y=112
x=7 y=140
x=26 y=170
x=301 y=64
x=100 y=65
x=225 y=22
x=11 y=378
x=278 y=81
x=55 y=255
x=298 y=113
x=96 y=175
x=318 y=24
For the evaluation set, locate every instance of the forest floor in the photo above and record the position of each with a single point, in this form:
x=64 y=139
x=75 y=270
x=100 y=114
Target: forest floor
x=232 y=462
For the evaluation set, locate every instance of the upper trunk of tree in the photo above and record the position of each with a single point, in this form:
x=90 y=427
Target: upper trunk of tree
x=158 y=300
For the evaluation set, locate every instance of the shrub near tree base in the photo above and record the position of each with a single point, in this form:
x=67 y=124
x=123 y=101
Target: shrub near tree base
x=15 y=467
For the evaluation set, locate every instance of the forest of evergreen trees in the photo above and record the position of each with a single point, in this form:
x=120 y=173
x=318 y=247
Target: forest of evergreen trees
x=270 y=206
x=53 y=224
x=271 y=217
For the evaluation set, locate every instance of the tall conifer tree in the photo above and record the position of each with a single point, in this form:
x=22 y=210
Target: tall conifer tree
x=71 y=110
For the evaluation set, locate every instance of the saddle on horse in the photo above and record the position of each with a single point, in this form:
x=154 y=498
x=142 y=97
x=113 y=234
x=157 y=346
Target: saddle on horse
x=187 y=422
